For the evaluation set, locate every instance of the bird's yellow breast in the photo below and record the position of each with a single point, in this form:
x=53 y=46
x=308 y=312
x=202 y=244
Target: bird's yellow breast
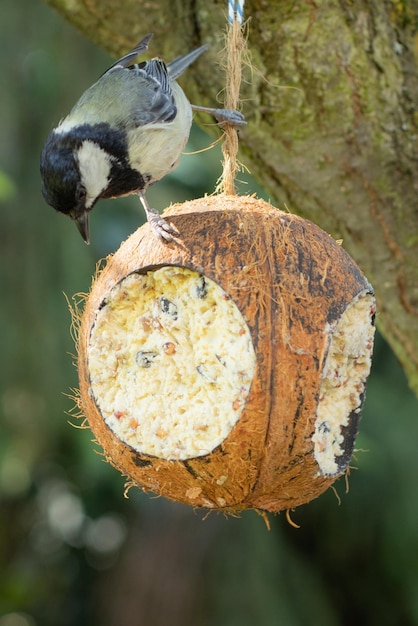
x=154 y=149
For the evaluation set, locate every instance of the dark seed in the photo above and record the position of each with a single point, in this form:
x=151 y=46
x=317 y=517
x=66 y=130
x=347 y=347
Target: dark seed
x=202 y=288
x=324 y=427
x=145 y=359
x=200 y=369
x=169 y=308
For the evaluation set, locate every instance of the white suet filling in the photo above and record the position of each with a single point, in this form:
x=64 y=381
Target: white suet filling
x=171 y=363
x=344 y=377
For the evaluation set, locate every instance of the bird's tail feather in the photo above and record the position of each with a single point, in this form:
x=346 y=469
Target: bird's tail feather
x=178 y=65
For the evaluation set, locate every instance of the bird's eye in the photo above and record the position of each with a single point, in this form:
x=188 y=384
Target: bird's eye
x=80 y=194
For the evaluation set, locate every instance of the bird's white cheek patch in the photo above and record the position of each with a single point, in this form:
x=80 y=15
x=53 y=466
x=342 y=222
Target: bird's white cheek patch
x=94 y=165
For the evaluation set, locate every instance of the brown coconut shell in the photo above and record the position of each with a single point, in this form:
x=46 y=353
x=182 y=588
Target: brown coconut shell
x=291 y=281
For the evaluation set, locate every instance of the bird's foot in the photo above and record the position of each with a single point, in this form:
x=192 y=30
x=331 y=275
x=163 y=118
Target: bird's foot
x=224 y=116
x=229 y=116
x=163 y=229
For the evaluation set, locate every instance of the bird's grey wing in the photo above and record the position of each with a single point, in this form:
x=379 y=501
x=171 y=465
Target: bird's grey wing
x=130 y=57
x=128 y=97
x=158 y=100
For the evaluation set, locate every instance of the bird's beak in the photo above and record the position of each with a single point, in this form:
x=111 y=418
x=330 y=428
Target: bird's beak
x=82 y=223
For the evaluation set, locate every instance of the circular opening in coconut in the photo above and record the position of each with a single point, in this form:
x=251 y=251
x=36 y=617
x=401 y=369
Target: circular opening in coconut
x=171 y=362
x=344 y=376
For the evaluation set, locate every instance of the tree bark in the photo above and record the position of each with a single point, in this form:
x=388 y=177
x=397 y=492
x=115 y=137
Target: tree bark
x=331 y=104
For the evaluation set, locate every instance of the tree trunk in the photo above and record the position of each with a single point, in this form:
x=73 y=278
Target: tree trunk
x=331 y=104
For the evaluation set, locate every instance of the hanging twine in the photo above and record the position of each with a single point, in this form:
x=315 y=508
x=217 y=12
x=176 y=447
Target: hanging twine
x=235 y=47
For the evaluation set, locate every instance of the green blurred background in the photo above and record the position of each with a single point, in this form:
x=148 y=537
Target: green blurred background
x=73 y=550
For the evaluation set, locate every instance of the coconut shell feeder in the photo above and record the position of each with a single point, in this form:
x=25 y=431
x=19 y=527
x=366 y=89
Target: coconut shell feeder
x=228 y=370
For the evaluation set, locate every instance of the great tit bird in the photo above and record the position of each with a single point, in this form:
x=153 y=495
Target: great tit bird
x=126 y=132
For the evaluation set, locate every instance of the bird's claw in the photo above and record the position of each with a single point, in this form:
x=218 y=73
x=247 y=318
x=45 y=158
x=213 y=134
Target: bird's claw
x=159 y=225
x=163 y=229
x=223 y=116
x=229 y=116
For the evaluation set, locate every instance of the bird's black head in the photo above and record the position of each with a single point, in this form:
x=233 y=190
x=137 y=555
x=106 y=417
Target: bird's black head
x=63 y=187
x=82 y=163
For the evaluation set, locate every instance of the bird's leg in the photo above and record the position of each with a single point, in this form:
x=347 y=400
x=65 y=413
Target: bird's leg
x=223 y=116
x=160 y=226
